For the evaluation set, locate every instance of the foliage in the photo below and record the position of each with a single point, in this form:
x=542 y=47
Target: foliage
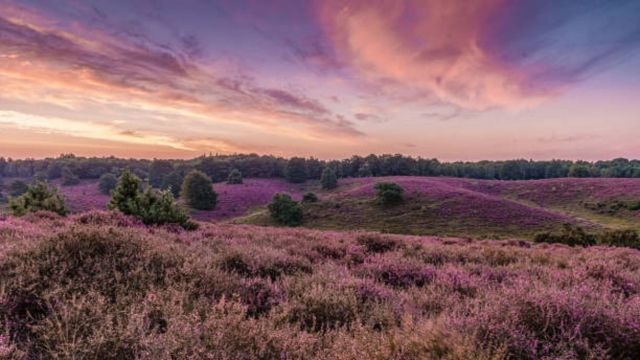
x=173 y=182
x=197 y=191
x=625 y=238
x=235 y=177
x=107 y=183
x=158 y=171
x=38 y=197
x=124 y=197
x=328 y=179
x=571 y=235
x=388 y=193
x=285 y=210
x=69 y=178
x=296 y=170
x=309 y=197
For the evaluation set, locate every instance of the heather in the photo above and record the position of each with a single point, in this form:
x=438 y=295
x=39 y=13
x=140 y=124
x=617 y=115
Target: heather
x=102 y=285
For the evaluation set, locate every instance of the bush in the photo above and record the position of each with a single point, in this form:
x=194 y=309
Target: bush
x=309 y=198
x=197 y=191
x=151 y=206
x=571 y=235
x=173 y=182
x=235 y=177
x=38 y=197
x=626 y=238
x=285 y=210
x=376 y=243
x=388 y=193
x=17 y=188
x=107 y=183
x=69 y=178
x=328 y=179
x=124 y=196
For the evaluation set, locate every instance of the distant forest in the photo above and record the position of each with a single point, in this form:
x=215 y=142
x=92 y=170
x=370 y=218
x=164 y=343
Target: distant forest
x=299 y=169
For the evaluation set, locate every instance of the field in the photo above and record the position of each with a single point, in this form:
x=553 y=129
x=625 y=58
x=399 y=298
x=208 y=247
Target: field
x=99 y=285
x=434 y=205
x=450 y=273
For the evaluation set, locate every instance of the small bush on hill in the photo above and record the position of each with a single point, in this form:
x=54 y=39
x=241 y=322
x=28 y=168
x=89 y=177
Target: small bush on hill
x=376 y=243
x=107 y=183
x=285 y=210
x=571 y=235
x=17 y=188
x=38 y=197
x=388 y=193
x=235 y=177
x=309 y=198
x=328 y=179
x=124 y=196
x=626 y=238
x=69 y=178
x=197 y=191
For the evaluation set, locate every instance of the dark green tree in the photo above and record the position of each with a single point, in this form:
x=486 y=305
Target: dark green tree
x=124 y=196
x=296 y=170
x=38 y=197
x=388 y=193
x=159 y=207
x=286 y=211
x=235 y=177
x=69 y=178
x=197 y=191
x=328 y=179
x=17 y=188
x=107 y=183
x=158 y=170
x=173 y=182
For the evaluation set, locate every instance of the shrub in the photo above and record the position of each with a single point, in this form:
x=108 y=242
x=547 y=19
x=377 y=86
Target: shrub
x=38 y=197
x=107 y=183
x=235 y=177
x=309 y=198
x=285 y=210
x=197 y=191
x=69 y=178
x=173 y=182
x=626 y=238
x=376 y=243
x=388 y=193
x=17 y=188
x=296 y=170
x=571 y=235
x=159 y=207
x=328 y=179
x=124 y=196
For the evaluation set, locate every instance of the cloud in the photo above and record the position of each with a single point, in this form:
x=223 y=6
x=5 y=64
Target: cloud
x=478 y=54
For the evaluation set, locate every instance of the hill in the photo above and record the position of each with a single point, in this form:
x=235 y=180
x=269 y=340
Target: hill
x=100 y=285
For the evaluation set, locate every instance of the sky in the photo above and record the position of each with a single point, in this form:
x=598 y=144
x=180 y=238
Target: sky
x=452 y=79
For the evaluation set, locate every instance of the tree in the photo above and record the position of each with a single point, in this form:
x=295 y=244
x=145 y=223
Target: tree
x=285 y=210
x=328 y=179
x=124 y=196
x=579 y=170
x=17 y=188
x=197 y=191
x=158 y=170
x=159 y=207
x=173 y=182
x=296 y=170
x=38 y=197
x=107 y=183
x=388 y=193
x=235 y=177
x=69 y=178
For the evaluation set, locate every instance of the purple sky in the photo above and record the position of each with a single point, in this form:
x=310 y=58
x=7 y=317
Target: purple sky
x=466 y=80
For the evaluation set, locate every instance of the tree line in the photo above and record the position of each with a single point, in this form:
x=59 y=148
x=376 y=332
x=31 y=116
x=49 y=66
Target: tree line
x=160 y=173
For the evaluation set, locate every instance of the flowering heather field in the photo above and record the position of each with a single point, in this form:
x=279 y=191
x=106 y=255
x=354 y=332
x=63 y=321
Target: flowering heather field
x=236 y=200
x=84 y=196
x=99 y=285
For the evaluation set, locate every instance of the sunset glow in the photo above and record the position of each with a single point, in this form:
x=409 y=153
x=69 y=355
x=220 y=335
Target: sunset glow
x=328 y=78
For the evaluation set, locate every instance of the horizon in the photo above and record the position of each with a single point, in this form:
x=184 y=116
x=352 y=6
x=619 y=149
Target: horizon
x=494 y=81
